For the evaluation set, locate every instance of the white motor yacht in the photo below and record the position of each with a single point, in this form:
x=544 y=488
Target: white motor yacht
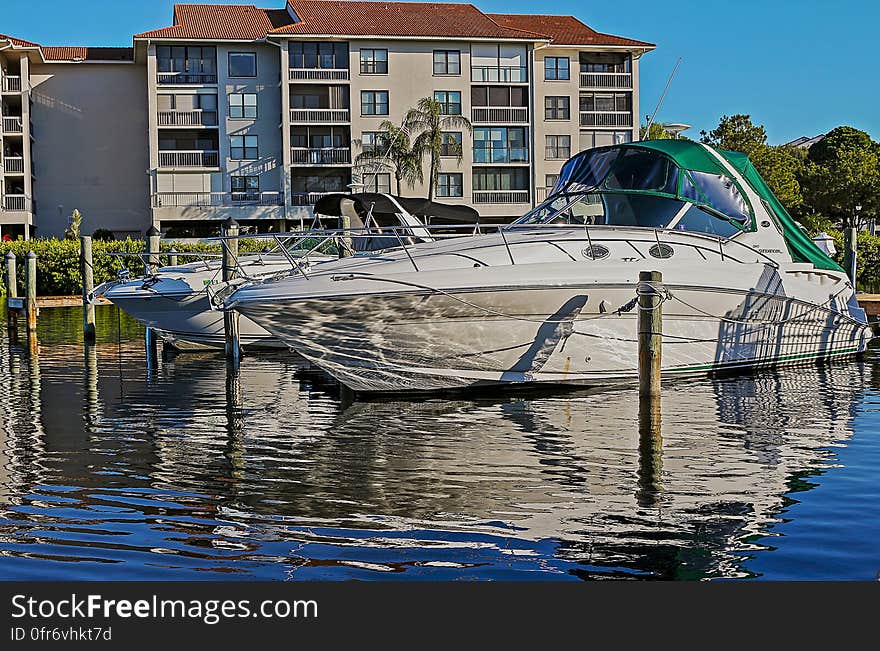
x=550 y=298
x=175 y=301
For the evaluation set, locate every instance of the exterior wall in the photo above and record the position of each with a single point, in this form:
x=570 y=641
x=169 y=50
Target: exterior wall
x=16 y=188
x=90 y=146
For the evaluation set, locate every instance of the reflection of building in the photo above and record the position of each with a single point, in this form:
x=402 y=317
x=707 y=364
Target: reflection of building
x=197 y=105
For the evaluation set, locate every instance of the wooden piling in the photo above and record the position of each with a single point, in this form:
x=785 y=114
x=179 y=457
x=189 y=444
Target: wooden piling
x=86 y=269
x=650 y=333
x=11 y=292
x=850 y=253
x=172 y=257
x=153 y=249
x=151 y=350
x=30 y=304
x=230 y=317
x=345 y=242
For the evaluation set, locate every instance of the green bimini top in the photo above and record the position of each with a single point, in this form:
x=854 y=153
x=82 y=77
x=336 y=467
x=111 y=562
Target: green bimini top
x=687 y=171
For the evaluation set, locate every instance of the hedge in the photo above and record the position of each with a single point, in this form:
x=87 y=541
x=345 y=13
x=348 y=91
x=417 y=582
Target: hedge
x=58 y=260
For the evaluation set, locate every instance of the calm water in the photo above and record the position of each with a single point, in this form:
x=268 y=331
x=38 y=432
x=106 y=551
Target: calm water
x=112 y=470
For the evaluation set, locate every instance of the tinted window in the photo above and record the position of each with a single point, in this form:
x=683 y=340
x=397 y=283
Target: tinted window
x=242 y=64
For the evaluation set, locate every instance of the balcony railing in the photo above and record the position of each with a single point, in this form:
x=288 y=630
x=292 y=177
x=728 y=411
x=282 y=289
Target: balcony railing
x=542 y=193
x=12 y=125
x=606 y=80
x=186 y=78
x=13 y=164
x=178 y=158
x=198 y=118
x=503 y=74
x=216 y=199
x=19 y=202
x=319 y=115
x=11 y=84
x=306 y=198
x=329 y=74
x=606 y=119
x=501 y=196
x=320 y=156
x=501 y=155
x=500 y=114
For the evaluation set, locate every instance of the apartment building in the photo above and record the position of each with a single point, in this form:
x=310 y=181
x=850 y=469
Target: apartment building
x=256 y=113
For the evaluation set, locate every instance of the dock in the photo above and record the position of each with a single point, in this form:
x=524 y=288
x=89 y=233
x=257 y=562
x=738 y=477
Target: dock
x=871 y=305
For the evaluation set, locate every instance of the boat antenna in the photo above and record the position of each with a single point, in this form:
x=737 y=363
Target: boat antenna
x=662 y=97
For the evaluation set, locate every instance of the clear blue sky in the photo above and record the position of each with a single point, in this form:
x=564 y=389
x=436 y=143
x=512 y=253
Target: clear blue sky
x=800 y=67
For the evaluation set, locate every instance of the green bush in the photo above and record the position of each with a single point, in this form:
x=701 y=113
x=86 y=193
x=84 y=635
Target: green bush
x=58 y=260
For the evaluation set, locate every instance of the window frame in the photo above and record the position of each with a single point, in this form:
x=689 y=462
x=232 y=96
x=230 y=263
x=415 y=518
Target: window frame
x=556 y=68
x=374 y=61
x=374 y=103
x=229 y=56
x=445 y=62
x=441 y=186
x=446 y=104
x=556 y=147
x=371 y=182
x=244 y=147
x=250 y=194
x=243 y=106
x=555 y=107
x=458 y=136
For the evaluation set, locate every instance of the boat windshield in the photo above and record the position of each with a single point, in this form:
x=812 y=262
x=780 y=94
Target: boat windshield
x=632 y=186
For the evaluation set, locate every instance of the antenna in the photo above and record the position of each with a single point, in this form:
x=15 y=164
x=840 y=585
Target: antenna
x=662 y=97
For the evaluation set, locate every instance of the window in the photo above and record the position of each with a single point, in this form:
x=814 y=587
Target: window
x=447 y=62
x=371 y=140
x=374 y=102
x=500 y=145
x=242 y=64
x=450 y=185
x=510 y=178
x=313 y=55
x=499 y=96
x=243 y=106
x=245 y=188
x=606 y=102
x=374 y=62
x=334 y=182
x=450 y=144
x=186 y=65
x=244 y=148
x=558 y=148
x=556 y=108
x=556 y=68
x=550 y=181
x=604 y=62
x=450 y=101
x=377 y=182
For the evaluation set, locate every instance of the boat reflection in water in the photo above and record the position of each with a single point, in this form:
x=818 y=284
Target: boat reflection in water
x=187 y=473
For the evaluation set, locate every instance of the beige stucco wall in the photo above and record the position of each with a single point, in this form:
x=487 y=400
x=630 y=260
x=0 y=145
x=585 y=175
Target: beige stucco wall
x=90 y=146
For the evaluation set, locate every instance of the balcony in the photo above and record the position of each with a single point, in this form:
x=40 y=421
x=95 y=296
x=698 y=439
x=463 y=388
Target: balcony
x=197 y=118
x=13 y=165
x=542 y=193
x=11 y=84
x=307 y=198
x=17 y=202
x=319 y=115
x=12 y=125
x=321 y=74
x=606 y=119
x=501 y=196
x=606 y=80
x=501 y=155
x=500 y=74
x=178 y=158
x=500 y=114
x=178 y=78
x=321 y=156
x=216 y=199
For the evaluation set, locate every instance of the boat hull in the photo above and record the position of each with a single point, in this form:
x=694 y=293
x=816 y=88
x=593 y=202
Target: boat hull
x=420 y=341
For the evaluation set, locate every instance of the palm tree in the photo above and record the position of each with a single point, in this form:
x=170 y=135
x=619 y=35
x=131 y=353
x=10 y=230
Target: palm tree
x=392 y=149
x=429 y=122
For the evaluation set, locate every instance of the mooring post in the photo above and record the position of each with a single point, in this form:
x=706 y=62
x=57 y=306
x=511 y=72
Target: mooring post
x=151 y=349
x=87 y=271
x=172 y=257
x=345 y=243
x=850 y=252
x=11 y=292
x=153 y=249
x=650 y=335
x=30 y=305
x=230 y=317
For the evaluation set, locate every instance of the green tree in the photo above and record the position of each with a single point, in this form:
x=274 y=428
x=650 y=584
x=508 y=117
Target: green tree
x=781 y=167
x=736 y=133
x=73 y=228
x=392 y=149
x=428 y=121
x=656 y=132
x=841 y=178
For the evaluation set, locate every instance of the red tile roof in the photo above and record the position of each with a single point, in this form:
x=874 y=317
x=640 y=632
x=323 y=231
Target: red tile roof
x=358 y=18
x=67 y=53
x=217 y=22
x=17 y=42
x=564 y=30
